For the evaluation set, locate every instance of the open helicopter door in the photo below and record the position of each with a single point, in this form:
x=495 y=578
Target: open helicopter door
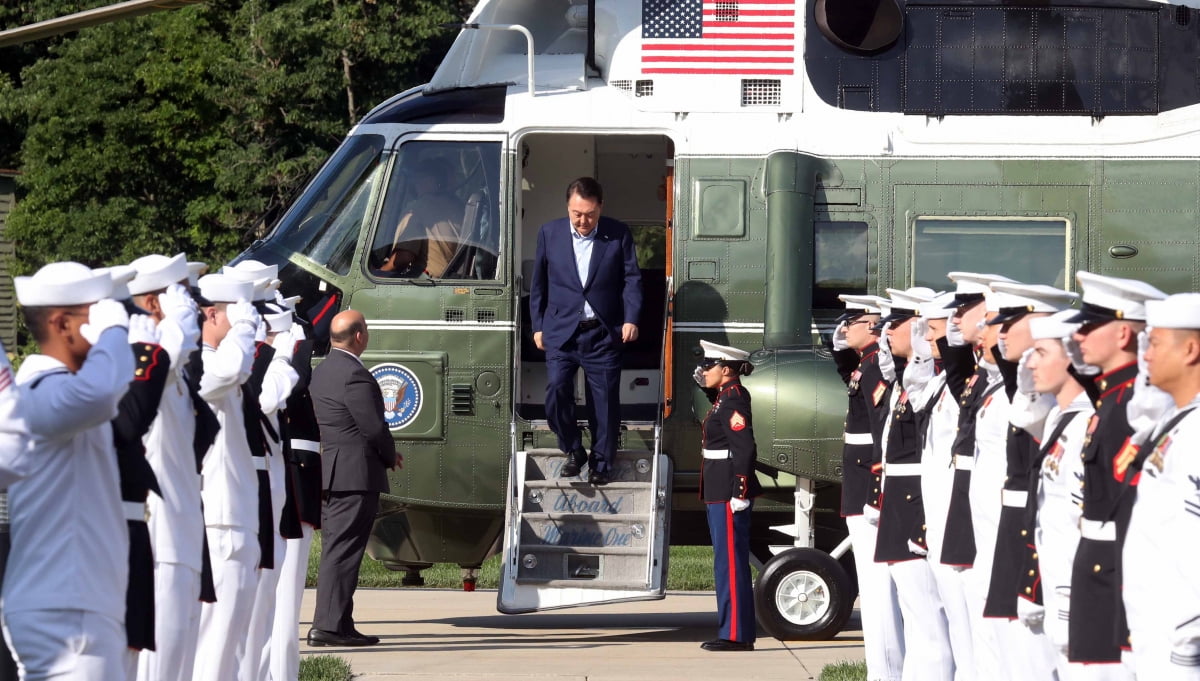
x=568 y=543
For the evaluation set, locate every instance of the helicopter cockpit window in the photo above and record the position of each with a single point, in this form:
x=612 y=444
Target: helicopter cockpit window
x=325 y=227
x=440 y=217
x=1032 y=250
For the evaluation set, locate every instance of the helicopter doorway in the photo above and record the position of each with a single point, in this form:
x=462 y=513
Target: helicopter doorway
x=634 y=172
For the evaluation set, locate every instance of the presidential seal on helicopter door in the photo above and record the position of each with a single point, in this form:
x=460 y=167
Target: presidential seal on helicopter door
x=402 y=394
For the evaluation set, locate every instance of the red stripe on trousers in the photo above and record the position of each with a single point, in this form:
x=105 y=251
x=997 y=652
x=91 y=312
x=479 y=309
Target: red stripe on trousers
x=733 y=584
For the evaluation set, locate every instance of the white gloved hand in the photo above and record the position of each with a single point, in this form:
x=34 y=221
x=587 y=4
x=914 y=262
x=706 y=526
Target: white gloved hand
x=916 y=549
x=285 y=346
x=871 y=514
x=179 y=307
x=142 y=329
x=737 y=505
x=954 y=334
x=1002 y=348
x=917 y=328
x=280 y=301
x=1025 y=374
x=1149 y=405
x=243 y=312
x=103 y=315
x=1029 y=411
x=298 y=334
x=887 y=365
x=1075 y=354
x=839 y=338
x=1031 y=614
x=260 y=331
x=698 y=376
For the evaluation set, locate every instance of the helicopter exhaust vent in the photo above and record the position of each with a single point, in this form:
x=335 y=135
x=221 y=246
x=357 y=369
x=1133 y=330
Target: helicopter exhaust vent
x=645 y=88
x=485 y=316
x=462 y=399
x=454 y=314
x=626 y=85
x=761 y=92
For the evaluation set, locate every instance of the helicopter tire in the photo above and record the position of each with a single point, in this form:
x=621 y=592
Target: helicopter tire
x=803 y=595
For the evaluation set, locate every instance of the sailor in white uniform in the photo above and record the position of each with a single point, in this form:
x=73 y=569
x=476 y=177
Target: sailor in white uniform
x=1160 y=586
x=64 y=587
x=175 y=519
x=230 y=482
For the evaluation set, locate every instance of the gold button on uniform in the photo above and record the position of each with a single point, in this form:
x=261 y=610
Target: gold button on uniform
x=1035 y=555
x=1028 y=590
x=1096 y=568
x=1024 y=533
x=1032 y=573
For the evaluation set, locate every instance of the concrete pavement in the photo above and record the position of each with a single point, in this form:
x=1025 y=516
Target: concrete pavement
x=430 y=634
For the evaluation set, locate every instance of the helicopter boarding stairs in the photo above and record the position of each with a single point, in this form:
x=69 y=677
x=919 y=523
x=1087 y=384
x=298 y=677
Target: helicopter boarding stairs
x=569 y=543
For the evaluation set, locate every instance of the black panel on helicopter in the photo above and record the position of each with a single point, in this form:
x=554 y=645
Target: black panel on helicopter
x=1110 y=57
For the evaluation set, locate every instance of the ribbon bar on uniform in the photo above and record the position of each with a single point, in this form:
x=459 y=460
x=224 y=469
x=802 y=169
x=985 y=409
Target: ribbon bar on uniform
x=901 y=470
x=859 y=439
x=134 y=510
x=715 y=453
x=1098 y=530
x=1014 y=498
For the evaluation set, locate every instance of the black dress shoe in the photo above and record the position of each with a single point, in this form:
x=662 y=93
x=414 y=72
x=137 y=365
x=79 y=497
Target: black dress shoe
x=726 y=644
x=598 y=479
x=320 y=637
x=372 y=640
x=575 y=461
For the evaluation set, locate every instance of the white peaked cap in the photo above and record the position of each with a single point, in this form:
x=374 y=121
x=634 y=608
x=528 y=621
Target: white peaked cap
x=1057 y=325
x=1108 y=298
x=157 y=272
x=219 y=288
x=121 y=276
x=264 y=290
x=1180 y=311
x=714 y=351
x=251 y=270
x=909 y=300
x=195 y=271
x=861 y=304
x=941 y=307
x=278 y=320
x=971 y=286
x=62 y=284
x=1013 y=300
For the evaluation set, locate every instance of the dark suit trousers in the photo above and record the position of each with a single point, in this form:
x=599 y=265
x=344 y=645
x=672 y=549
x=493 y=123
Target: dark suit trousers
x=600 y=357
x=346 y=522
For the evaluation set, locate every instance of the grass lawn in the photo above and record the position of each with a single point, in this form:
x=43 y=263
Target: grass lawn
x=844 y=671
x=690 y=570
x=324 y=668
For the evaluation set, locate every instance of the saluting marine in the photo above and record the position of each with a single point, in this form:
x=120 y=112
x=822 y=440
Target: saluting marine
x=61 y=620
x=728 y=486
x=856 y=354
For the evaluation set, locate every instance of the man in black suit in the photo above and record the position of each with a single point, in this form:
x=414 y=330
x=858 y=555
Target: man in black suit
x=357 y=450
x=584 y=301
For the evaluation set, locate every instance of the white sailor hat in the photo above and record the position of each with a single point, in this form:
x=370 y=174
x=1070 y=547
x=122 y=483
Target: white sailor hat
x=1180 y=311
x=1057 y=325
x=157 y=272
x=219 y=288
x=63 y=284
x=1012 y=301
x=723 y=352
x=941 y=307
x=277 y=318
x=907 y=303
x=857 y=306
x=1108 y=298
x=121 y=276
x=264 y=290
x=971 y=287
x=292 y=302
x=195 y=271
x=251 y=270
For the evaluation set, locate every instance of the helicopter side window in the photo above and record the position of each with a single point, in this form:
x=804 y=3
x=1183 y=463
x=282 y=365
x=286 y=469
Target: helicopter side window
x=325 y=227
x=440 y=218
x=1032 y=249
x=840 y=262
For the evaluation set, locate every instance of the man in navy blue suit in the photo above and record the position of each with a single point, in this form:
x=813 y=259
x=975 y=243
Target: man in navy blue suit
x=584 y=301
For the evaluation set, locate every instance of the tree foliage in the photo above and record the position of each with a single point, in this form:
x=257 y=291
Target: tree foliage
x=184 y=130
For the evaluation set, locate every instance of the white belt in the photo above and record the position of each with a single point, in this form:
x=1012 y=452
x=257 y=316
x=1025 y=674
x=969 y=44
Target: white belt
x=715 y=453
x=859 y=439
x=1014 y=498
x=964 y=463
x=134 y=510
x=899 y=470
x=260 y=463
x=1098 y=530
x=307 y=445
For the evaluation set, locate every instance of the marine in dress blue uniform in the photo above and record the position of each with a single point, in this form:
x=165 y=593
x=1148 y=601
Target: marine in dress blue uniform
x=728 y=486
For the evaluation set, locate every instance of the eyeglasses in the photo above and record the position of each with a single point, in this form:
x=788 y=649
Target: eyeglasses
x=708 y=363
x=860 y=321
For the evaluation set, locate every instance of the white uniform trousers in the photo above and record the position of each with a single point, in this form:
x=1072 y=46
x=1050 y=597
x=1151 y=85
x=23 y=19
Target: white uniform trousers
x=176 y=626
x=950 y=588
x=223 y=625
x=985 y=632
x=285 y=644
x=256 y=661
x=1031 y=653
x=878 y=607
x=927 y=655
x=66 y=645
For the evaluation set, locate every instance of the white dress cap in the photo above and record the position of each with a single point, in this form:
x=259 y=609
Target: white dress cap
x=1109 y=298
x=907 y=303
x=195 y=271
x=1180 y=311
x=277 y=320
x=714 y=351
x=219 y=288
x=1011 y=301
x=157 y=272
x=861 y=304
x=970 y=287
x=264 y=290
x=251 y=270
x=62 y=284
x=1056 y=326
x=941 y=307
x=121 y=276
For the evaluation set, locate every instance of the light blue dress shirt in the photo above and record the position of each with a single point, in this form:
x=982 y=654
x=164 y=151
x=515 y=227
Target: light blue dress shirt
x=583 y=261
